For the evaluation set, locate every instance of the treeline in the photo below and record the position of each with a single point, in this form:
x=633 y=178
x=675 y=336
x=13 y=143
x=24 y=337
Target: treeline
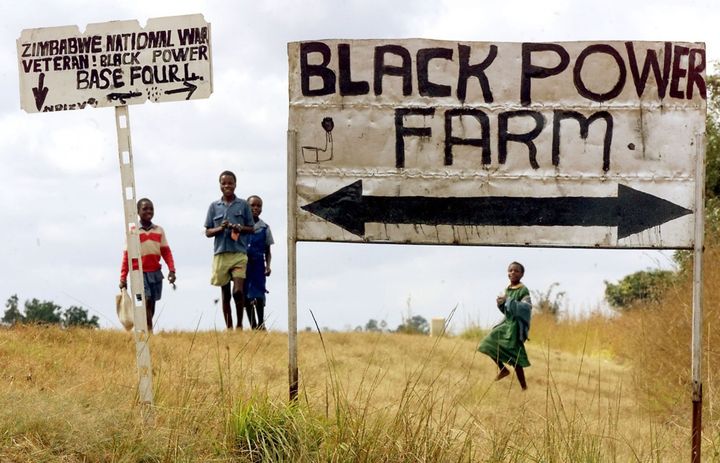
x=412 y=324
x=46 y=313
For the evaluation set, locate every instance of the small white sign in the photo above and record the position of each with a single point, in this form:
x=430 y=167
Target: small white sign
x=114 y=63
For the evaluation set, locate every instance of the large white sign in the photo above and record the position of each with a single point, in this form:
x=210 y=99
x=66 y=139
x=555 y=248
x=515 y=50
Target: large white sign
x=114 y=63
x=581 y=144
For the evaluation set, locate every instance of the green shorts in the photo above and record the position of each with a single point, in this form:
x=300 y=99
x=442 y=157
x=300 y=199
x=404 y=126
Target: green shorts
x=226 y=266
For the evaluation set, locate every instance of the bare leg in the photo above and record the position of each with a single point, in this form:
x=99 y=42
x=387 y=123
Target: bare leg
x=260 y=313
x=239 y=299
x=502 y=370
x=520 y=373
x=250 y=305
x=227 y=311
x=149 y=313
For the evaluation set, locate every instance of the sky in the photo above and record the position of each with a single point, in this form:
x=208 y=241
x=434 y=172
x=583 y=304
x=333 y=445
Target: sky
x=60 y=192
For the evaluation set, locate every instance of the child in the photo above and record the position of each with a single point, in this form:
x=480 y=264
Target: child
x=258 y=267
x=153 y=245
x=227 y=220
x=506 y=341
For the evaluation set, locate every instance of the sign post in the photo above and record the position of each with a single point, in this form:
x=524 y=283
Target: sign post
x=292 y=266
x=697 y=303
x=116 y=64
x=568 y=144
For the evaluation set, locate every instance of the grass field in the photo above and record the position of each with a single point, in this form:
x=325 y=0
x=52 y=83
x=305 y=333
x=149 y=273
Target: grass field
x=71 y=396
x=601 y=389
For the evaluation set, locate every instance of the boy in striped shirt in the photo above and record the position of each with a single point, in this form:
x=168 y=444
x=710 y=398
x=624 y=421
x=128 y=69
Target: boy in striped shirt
x=153 y=246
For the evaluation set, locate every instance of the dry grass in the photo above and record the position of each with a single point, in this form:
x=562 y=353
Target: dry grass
x=600 y=390
x=656 y=341
x=71 y=396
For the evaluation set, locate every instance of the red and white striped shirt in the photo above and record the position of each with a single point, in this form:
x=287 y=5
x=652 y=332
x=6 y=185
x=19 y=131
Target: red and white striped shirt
x=153 y=245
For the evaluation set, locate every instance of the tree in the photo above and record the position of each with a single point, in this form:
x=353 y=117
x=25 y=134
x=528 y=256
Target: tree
x=712 y=138
x=372 y=325
x=45 y=312
x=683 y=258
x=638 y=287
x=78 y=317
x=416 y=324
x=548 y=302
x=12 y=315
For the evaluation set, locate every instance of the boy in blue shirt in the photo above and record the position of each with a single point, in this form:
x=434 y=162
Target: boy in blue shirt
x=258 y=267
x=229 y=220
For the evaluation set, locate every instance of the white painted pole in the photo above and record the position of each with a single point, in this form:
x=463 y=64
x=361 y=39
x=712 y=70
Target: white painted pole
x=697 y=319
x=292 y=263
x=140 y=331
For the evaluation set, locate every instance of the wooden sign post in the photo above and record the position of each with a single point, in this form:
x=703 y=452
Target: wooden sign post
x=116 y=64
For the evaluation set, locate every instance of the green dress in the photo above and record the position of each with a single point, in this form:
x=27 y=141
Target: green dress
x=506 y=341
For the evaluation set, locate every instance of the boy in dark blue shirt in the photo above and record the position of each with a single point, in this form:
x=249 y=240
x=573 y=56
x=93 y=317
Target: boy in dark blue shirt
x=258 y=268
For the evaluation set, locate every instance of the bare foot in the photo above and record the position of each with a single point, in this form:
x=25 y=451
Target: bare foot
x=502 y=373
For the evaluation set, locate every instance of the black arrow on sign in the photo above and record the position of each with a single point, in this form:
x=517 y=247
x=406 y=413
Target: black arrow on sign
x=187 y=87
x=121 y=97
x=40 y=92
x=631 y=211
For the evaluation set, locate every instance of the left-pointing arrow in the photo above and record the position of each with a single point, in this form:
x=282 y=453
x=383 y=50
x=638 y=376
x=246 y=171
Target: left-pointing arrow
x=631 y=211
x=40 y=92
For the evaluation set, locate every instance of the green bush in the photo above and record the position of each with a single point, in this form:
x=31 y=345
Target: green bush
x=639 y=287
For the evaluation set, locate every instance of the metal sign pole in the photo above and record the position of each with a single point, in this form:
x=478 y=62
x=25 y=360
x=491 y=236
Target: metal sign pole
x=697 y=320
x=292 y=262
x=140 y=331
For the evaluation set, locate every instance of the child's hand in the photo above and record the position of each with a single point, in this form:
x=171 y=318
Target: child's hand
x=171 y=277
x=500 y=300
x=267 y=270
x=123 y=284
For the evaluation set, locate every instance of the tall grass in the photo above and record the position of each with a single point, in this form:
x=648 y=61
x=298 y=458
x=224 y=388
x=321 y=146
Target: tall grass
x=601 y=389
x=656 y=341
x=71 y=396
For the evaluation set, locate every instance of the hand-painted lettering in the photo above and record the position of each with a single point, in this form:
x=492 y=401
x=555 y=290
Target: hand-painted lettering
x=582 y=89
x=401 y=131
x=505 y=135
x=425 y=86
x=483 y=142
x=468 y=70
x=531 y=71
x=584 y=122
x=424 y=72
x=651 y=62
x=381 y=68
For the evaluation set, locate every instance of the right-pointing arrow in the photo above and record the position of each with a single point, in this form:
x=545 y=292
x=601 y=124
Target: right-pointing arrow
x=638 y=211
x=632 y=211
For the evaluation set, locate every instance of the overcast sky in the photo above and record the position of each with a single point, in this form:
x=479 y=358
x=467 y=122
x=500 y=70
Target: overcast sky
x=60 y=196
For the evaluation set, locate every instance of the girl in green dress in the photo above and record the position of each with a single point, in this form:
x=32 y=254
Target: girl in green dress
x=506 y=341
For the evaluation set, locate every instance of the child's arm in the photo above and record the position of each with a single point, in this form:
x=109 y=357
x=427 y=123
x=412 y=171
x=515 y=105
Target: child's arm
x=240 y=228
x=269 y=241
x=212 y=231
x=268 y=258
x=249 y=225
x=124 y=270
x=167 y=256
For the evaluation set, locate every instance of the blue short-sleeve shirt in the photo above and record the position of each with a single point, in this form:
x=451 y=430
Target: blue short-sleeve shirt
x=236 y=212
